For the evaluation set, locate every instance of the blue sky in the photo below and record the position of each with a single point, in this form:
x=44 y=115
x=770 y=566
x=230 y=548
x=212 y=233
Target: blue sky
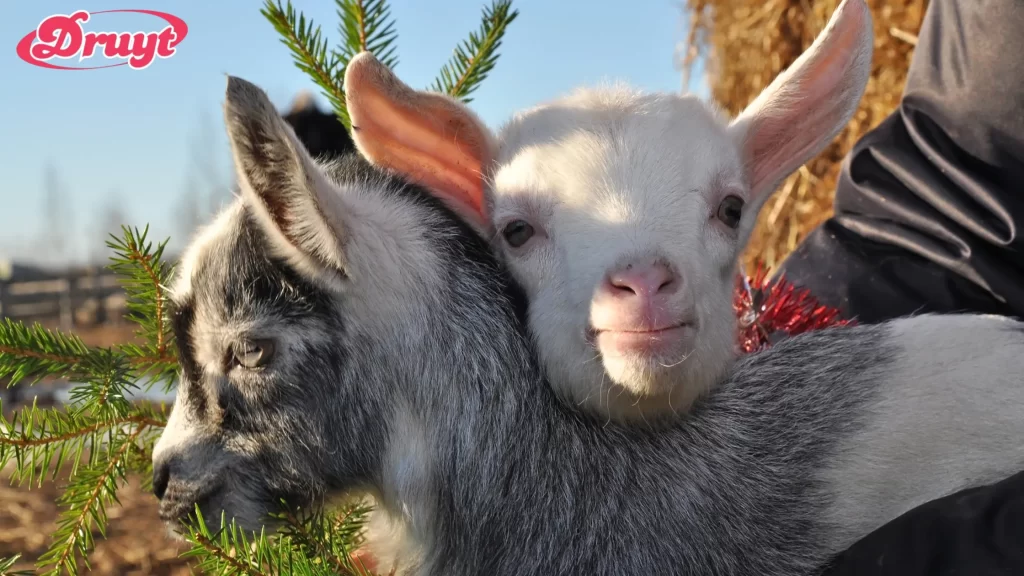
x=121 y=144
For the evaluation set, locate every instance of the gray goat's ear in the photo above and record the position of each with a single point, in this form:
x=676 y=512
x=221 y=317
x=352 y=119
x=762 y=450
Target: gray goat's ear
x=291 y=197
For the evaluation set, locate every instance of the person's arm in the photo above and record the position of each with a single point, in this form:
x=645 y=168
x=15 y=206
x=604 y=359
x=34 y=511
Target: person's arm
x=929 y=208
x=975 y=532
x=930 y=218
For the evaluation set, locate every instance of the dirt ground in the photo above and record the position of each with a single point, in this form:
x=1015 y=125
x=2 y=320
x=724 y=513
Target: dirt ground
x=136 y=542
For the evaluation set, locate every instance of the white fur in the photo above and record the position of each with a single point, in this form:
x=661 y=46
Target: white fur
x=611 y=175
x=950 y=417
x=604 y=175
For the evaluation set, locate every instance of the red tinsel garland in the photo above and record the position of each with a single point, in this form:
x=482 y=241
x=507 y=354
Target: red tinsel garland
x=769 y=310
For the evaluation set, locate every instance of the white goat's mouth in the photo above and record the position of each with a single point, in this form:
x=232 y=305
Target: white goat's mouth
x=671 y=340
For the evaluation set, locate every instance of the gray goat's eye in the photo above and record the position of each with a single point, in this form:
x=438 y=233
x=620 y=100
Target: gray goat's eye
x=253 y=353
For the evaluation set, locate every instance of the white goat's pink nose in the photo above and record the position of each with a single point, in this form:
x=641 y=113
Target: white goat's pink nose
x=641 y=297
x=641 y=280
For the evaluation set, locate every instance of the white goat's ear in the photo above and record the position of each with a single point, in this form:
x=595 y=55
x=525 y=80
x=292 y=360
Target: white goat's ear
x=427 y=137
x=288 y=192
x=806 y=106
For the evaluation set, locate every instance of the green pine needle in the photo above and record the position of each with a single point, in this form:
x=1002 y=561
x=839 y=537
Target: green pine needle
x=309 y=51
x=145 y=276
x=38 y=440
x=84 y=503
x=231 y=551
x=366 y=25
x=7 y=565
x=329 y=537
x=476 y=57
x=100 y=435
x=32 y=353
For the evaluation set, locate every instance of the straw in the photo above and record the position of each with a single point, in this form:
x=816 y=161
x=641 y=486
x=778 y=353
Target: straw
x=748 y=43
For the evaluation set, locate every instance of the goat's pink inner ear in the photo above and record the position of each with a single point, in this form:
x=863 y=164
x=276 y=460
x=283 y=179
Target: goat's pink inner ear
x=809 y=103
x=426 y=137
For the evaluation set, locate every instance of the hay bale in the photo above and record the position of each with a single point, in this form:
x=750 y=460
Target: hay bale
x=747 y=43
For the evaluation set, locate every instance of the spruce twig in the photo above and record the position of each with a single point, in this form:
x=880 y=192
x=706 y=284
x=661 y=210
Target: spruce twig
x=100 y=433
x=85 y=500
x=476 y=57
x=231 y=551
x=7 y=567
x=367 y=25
x=309 y=52
x=145 y=275
x=331 y=538
x=31 y=353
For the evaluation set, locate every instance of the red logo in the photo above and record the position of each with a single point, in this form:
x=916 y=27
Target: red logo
x=62 y=36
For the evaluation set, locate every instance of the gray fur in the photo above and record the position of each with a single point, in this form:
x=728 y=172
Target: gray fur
x=403 y=367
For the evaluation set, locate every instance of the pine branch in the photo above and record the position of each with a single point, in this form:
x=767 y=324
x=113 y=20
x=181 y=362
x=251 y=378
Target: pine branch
x=38 y=439
x=7 y=564
x=144 y=276
x=309 y=51
x=230 y=552
x=100 y=432
x=104 y=394
x=332 y=539
x=366 y=25
x=476 y=57
x=32 y=353
x=85 y=500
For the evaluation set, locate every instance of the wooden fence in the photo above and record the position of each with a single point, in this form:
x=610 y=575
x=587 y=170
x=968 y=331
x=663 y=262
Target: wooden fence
x=67 y=300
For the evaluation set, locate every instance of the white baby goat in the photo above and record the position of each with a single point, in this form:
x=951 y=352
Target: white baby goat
x=623 y=213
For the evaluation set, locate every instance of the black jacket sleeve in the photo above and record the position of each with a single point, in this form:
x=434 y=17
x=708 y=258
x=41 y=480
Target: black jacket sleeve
x=929 y=213
x=929 y=206
x=976 y=532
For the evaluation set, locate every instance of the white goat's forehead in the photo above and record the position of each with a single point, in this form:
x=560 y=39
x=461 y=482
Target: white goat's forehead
x=611 y=144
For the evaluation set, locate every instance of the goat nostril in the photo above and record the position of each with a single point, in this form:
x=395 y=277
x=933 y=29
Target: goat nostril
x=642 y=281
x=161 y=477
x=622 y=285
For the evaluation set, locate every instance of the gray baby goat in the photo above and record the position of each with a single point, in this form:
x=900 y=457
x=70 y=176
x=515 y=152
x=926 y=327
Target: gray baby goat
x=341 y=329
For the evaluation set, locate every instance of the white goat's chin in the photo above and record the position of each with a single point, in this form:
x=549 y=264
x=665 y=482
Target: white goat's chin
x=646 y=363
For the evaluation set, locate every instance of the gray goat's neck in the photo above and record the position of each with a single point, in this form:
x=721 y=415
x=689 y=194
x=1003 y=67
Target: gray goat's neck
x=498 y=476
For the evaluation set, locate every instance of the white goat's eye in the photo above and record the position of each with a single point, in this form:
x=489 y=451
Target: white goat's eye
x=517 y=233
x=254 y=353
x=730 y=210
